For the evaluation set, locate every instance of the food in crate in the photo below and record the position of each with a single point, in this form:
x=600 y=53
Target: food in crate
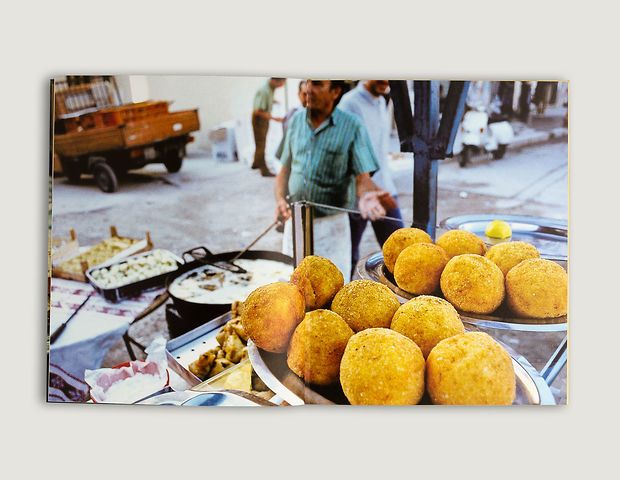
x=134 y=269
x=231 y=350
x=98 y=254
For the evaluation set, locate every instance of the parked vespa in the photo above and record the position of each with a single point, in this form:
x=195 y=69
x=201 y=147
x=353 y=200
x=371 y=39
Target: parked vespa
x=480 y=132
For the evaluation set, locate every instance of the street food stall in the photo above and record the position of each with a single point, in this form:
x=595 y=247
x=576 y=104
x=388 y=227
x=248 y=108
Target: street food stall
x=260 y=328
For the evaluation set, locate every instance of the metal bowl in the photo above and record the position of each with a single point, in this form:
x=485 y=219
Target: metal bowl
x=274 y=372
x=373 y=268
x=549 y=236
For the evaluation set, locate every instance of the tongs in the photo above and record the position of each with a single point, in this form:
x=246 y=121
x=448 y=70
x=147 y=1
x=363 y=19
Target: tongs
x=202 y=254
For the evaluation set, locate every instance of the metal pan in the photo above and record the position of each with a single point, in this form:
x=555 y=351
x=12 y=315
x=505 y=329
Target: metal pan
x=273 y=371
x=134 y=289
x=549 y=236
x=195 y=314
x=373 y=268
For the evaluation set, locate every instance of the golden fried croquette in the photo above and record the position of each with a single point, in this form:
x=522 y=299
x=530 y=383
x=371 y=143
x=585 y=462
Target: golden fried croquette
x=418 y=268
x=537 y=288
x=470 y=369
x=365 y=304
x=459 y=242
x=398 y=241
x=473 y=283
x=382 y=367
x=271 y=313
x=318 y=279
x=317 y=346
x=427 y=320
x=508 y=254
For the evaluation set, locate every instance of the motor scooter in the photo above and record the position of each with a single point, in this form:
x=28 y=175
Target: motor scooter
x=481 y=132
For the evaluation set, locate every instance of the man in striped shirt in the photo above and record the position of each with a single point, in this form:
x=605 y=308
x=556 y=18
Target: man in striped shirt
x=328 y=159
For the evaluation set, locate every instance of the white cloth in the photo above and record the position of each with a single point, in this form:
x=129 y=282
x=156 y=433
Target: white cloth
x=332 y=240
x=88 y=336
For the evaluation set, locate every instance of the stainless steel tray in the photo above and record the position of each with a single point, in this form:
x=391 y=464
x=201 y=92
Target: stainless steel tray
x=129 y=290
x=549 y=236
x=274 y=372
x=372 y=268
x=188 y=347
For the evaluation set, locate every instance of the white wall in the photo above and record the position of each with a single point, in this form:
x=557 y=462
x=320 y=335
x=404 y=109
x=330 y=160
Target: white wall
x=218 y=99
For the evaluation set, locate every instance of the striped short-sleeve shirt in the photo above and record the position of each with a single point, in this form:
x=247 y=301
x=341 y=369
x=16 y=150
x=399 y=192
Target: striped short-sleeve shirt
x=325 y=161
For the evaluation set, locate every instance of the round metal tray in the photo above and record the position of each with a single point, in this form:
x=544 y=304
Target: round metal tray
x=549 y=236
x=372 y=268
x=274 y=372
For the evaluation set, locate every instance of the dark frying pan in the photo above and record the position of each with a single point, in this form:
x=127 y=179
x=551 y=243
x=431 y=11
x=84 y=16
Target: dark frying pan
x=194 y=314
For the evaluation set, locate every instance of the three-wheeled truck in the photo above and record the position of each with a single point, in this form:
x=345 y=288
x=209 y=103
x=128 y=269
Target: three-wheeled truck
x=107 y=142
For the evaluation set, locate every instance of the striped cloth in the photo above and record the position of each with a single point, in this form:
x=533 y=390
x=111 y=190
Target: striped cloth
x=325 y=161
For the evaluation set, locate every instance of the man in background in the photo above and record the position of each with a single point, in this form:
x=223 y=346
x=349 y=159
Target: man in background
x=261 y=115
x=327 y=159
x=367 y=101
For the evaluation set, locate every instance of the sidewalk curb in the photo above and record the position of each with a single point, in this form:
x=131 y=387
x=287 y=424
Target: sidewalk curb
x=540 y=138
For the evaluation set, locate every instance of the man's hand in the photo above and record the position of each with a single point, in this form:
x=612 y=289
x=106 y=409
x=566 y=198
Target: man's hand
x=370 y=205
x=278 y=119
x=283 y=211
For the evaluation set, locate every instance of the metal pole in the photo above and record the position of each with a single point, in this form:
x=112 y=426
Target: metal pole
x=303 y=232
x=556 y=363
x=425 y=122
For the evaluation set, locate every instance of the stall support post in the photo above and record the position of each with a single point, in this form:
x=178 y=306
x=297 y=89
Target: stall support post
x=556 y=363
x=429 y=141
x=425 y=168
x=303 y=236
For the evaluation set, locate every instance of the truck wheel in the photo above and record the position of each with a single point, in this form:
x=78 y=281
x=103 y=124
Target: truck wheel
x=499 y=153
x=174 y=160
x=465 y=157
x=105 y=178
x=71 y=169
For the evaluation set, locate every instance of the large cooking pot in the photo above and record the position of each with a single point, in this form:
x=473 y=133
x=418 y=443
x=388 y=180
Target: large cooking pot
x=193 y=314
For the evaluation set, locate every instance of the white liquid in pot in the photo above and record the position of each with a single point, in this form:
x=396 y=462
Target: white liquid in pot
x=215 y=285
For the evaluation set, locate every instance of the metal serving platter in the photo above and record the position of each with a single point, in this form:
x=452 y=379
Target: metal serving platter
x=373 y=268
x=273 y=371
x=549 y=236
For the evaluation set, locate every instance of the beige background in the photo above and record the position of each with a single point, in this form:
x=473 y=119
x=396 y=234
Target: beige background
x=539 y=40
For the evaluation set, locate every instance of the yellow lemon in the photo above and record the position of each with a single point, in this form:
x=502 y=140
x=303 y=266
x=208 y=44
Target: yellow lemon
x=498 y=229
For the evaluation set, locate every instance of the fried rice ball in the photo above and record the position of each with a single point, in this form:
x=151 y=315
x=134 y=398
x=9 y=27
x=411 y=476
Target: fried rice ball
x=418 y=268
x=317 y=346
x=382 y=367
x=470 y=369
x=509 y=254
x=537 y=288
x=398 y=241
x=473 y=283
x=427 y=320
x=365 y=304
x=271 y=313
x=459 y=242
x=318 y=279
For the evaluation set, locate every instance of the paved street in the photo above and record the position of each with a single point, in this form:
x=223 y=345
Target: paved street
x=225 y=205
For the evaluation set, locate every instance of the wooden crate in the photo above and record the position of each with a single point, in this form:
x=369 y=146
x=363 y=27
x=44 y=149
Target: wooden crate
x=60 y=271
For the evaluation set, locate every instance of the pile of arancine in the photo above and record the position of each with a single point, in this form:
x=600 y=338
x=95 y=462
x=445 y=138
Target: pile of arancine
x=381 y=352
x=473 y=279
